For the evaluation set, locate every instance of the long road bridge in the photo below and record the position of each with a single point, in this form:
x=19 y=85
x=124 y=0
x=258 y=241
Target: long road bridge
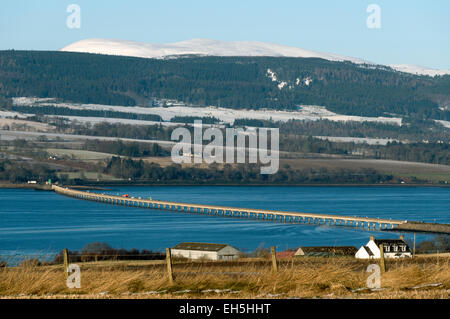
x=249 y=213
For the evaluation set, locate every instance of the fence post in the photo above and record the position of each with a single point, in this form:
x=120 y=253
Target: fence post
x=383 y=266
x=274 y=259
x=169 y=265
x=66 y=261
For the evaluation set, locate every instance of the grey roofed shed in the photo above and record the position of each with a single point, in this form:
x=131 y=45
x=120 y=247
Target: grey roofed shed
x=200 y=246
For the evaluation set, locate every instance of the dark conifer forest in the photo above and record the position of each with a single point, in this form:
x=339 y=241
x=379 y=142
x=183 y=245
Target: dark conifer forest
x=234 y=82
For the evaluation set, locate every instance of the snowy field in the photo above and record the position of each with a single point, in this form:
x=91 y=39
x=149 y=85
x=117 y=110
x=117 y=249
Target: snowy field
x=359 y=140
x=8 y=114
x=445 y=123
x=305 y=112
x=112 y=120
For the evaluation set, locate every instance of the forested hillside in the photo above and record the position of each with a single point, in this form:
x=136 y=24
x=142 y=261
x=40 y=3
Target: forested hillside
x=236 y=82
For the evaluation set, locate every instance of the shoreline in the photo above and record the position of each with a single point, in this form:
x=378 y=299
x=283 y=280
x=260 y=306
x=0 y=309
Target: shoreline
x=105 y=186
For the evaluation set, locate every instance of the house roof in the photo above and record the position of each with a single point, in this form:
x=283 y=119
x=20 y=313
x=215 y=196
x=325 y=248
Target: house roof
x=339 y=250
x=286 y=254
x=390 y=242
x=200 y=246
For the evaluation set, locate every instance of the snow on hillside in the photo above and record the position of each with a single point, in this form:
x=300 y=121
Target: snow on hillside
x=446 y=124
x=419 y=70
x=305 y=112
x=220 y=48
x=359 y=140
x=8 y=114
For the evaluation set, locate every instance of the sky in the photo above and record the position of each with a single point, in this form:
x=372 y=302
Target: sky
x=411 y=32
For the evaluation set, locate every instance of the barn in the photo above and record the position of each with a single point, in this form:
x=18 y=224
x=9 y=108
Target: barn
x=205 y=251
x=392 y=248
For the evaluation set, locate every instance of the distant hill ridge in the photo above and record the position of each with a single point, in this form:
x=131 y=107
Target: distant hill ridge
x=208 y=47
x=280 y=83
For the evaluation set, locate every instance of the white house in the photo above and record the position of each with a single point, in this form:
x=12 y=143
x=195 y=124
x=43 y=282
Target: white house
x=205 y=251
x=392 y=248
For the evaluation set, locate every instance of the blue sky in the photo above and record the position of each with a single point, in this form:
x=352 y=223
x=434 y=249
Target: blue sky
x=412 y=32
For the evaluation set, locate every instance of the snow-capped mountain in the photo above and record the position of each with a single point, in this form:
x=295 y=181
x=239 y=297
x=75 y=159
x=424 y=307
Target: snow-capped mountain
x=209 y=47
x=197 y=47
x=420 y=70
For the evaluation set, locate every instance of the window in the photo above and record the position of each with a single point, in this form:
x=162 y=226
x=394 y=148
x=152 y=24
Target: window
x=403 y=247
x=395 y=248
x=387 y=248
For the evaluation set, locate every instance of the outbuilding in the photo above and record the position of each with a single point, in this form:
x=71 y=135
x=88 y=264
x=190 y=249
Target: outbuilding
x=205 y=251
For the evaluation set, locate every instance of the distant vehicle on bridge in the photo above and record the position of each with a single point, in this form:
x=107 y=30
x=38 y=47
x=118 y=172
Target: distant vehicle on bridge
x=126 y=195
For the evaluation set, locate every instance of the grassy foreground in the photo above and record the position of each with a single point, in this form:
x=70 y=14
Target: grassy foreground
x=252 y=278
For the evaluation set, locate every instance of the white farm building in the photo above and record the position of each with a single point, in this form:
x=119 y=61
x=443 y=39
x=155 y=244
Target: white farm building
x=392 y=248
x=205 y=251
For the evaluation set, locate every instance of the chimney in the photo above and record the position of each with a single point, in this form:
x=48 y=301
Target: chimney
x=402 y=237
x=372 y=237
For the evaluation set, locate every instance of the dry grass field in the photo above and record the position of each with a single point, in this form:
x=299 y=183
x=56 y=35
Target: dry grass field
x=30 y=126
x=318 y=277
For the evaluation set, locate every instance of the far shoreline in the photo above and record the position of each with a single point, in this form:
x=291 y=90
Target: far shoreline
x=106 y=186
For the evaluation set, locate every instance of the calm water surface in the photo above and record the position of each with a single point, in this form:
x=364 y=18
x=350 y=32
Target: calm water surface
x=38 y=223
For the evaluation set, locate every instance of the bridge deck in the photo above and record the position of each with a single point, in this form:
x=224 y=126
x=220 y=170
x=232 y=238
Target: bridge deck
x=233 y=211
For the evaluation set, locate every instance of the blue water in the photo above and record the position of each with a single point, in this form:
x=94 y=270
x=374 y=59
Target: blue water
x=39 y=223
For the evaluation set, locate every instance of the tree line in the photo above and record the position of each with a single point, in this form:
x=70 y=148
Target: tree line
x=17 y=172
x=431 y=152
x=414 y=131
x=130 y=149
x=138 y=170
x=99 y=251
